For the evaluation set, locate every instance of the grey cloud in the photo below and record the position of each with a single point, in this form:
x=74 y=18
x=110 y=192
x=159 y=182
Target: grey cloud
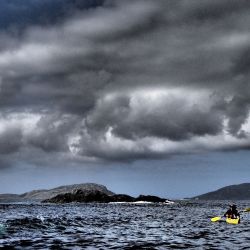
x=51 y=133
x=172 y=119
x=241 y=64
x=104 y=153
x=5 y=163
x=238 y=112
x=212 y=11
x=10 y=140
x=66 y=70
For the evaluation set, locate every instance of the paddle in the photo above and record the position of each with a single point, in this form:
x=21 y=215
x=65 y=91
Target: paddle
x=215 y=219
x=218 y=218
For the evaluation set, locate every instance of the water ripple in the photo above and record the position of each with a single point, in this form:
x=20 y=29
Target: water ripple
x=184 y=225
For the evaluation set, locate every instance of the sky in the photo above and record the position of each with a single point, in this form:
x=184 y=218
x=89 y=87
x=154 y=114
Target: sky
x=141 y=96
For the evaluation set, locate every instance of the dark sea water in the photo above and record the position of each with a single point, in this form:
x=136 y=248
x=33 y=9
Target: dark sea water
x=183 y=225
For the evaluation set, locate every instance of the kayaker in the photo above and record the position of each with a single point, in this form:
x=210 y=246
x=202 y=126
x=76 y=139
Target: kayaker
x=232 y=212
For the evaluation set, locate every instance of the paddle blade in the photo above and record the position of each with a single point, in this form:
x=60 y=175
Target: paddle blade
x=247 y=209
x=214 y=219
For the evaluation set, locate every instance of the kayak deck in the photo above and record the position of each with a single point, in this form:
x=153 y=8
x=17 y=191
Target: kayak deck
x=228 y=220
x=233 y=221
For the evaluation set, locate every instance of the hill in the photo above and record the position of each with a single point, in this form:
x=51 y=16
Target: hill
x=233 y=192
x=43 y=194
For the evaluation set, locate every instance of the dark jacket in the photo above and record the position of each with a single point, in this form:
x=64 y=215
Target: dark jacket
x=232 y=213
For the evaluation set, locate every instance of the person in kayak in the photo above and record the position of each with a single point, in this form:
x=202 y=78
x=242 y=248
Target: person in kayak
x=232 y=212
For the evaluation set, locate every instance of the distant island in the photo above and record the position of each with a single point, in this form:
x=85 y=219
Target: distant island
x=233 y=192
x=87 y=192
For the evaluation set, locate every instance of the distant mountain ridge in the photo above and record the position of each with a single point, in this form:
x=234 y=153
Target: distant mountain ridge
x=232 y=192
x=43 y=194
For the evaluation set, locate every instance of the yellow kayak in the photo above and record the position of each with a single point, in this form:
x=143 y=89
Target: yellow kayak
x=233 y=221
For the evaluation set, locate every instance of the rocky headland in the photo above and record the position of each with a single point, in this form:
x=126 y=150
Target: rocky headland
x=101 y=197
x=85 y=193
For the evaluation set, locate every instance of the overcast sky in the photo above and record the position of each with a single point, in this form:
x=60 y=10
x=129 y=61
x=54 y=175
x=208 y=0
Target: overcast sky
x=141 y=96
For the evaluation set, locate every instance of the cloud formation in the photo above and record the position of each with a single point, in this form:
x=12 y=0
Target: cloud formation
x=125 y=80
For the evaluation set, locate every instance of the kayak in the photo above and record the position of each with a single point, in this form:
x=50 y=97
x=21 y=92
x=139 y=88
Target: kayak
x=233 y=221
x=228 y=220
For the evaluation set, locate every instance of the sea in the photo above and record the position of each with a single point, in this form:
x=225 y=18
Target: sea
x=182 y=225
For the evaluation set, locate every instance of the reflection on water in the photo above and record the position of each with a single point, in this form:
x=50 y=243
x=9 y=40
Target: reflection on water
x=121 y=226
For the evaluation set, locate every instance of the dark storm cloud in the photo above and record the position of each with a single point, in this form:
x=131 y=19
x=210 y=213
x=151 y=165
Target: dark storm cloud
x=51 y=133
x=238 y=111
x=17 y=15
x=170 y=118
x=241 y=64
x=122 y=80
x=213 y=11
x=10 y=140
